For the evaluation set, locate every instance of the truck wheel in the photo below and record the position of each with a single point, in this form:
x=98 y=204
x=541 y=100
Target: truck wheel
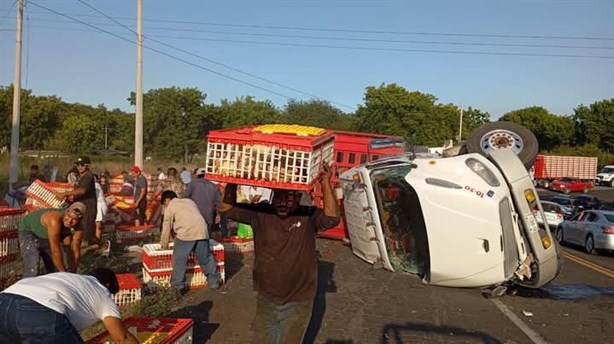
x=504 y=135
x=612 y=183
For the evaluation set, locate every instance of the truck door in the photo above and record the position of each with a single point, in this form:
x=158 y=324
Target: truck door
x=359 y=222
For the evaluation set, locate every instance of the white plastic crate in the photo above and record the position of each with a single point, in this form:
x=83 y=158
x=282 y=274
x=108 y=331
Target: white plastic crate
x=129 y=289
x=195 y=278
x=156 y=259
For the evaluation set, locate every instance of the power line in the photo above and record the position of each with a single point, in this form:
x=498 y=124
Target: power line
x=353 y=39
x=418 y=33
x=161 y=52
x=208 y=59
x=9 y=10
x=431 y=51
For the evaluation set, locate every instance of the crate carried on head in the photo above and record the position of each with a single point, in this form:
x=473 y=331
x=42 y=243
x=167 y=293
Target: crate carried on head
x=274 y=156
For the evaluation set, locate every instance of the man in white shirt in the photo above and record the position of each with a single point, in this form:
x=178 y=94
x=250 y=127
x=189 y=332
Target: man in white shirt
x=183 y=219
x=54 y=308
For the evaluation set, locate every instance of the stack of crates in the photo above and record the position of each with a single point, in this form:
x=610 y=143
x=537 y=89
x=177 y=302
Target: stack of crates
x=11 y=267
x=129 y=289
x=274 y=156
x=239 y=245
x=115 y=183
x=126 y=233
x=154 y=330
x=158 y=265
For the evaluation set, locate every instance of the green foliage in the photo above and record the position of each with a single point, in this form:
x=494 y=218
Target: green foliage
x=247 y=111
x=551 y=130
x=79 y=135
x=390 y=109
x=594 y=124
x=314 y=112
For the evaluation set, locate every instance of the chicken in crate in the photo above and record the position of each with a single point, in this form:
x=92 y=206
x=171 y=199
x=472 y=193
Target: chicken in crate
x=275 y=156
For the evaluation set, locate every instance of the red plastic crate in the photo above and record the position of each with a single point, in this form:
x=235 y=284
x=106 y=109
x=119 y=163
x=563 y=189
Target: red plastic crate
x=9 y=219
x=253 y=156
x=238 y=245
x=9 y=245
x=155 y=259
x=126 y=233
x=154 y=330
x=195 y=278
x=45 y=193
x=129 y=289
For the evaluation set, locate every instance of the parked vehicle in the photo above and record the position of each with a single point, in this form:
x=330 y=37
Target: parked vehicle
x=568 y=185
x=606 y=176
x=586 y=202
x=555 y=214
x=548 y=168
x=607 y=206
x=460 y=221
x=569 y=203
x=593 y=229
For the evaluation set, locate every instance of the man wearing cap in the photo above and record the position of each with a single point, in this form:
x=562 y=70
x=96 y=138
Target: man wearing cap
x=85 y=192
x=206 y=196
x=140 y=194
x=41 y=234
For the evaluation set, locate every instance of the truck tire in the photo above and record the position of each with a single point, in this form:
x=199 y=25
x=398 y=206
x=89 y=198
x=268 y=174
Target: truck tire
x=504 y=135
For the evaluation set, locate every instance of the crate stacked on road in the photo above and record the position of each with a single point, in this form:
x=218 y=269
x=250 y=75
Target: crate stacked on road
x=44 y=195
x=273 y=156
x=158 y=266
x=129 y=289
x=11 y=267
x=238 y=245
x=154 y=330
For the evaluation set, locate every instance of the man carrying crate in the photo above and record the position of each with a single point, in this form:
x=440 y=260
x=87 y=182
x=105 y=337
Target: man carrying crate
x=42 y=233
x=183 y=219
x=286 y=266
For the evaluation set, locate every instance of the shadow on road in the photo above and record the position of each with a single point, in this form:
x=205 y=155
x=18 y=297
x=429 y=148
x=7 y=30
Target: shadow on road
x=233 y=263
x=326 y=284
x=394 y=333
x=202 y=330
x=564 y=292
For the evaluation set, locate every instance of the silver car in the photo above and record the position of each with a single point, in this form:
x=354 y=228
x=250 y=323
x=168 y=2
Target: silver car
x=593 y=229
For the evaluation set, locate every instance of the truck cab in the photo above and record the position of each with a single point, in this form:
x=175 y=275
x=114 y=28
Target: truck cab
x=606 y=176
x=461 y=221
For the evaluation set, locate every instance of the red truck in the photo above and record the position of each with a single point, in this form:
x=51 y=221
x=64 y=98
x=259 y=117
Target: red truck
x=548 y=168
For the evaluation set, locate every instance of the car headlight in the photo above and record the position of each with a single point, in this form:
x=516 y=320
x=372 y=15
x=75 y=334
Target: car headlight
x=481 y=170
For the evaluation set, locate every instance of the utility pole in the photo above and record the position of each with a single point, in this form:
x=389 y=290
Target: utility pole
x=460 y=124
x=138 y=131
x=14 y=159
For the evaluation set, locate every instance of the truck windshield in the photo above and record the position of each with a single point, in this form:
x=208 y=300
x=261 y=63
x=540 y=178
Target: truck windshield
x=402 y=220
x=607 y=170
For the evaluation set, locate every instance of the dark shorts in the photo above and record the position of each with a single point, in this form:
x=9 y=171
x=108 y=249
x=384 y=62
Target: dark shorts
x=140 y=210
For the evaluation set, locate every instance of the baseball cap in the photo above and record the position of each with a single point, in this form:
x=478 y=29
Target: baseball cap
x=136 y=169
x=83 y=160
x=77 y=208
x=201 y=171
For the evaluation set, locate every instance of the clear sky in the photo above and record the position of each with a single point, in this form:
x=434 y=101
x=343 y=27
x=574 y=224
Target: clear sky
x=332 y=49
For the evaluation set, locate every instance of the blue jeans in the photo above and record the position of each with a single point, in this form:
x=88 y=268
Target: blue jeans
x=32 y=250
x=280 y=323
x=25 y=321
x=181 y=253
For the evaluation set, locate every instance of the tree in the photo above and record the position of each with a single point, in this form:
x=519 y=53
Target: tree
x=245 y=111
x=550 y=130
x=79 y=135
x=314 y=112
x=594 y=124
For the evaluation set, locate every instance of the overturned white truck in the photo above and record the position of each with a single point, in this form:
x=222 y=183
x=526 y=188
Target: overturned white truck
x=461 y=221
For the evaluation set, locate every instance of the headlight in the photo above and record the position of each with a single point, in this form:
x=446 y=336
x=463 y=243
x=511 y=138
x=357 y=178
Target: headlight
x=481 y=170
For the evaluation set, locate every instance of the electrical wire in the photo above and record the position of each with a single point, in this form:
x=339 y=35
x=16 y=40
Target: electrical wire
x=162 y=52
x=9 y=10
x=208 y=59
x=353 y=39
x=420 y=33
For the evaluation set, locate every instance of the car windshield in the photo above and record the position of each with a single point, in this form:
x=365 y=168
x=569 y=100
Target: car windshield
x=563 y=201
x=402 y=220
x=607 y=170
x=565 y=180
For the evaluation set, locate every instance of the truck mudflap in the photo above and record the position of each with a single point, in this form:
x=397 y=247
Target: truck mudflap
x=544 y=262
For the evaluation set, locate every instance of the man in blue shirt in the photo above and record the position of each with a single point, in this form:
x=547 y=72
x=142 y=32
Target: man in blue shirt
x=206 y=196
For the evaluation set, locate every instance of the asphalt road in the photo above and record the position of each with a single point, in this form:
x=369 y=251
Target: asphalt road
x=358 y=304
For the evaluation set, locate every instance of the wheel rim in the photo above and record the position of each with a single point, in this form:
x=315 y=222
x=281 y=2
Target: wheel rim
x=501 y=139
x=590 y=245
